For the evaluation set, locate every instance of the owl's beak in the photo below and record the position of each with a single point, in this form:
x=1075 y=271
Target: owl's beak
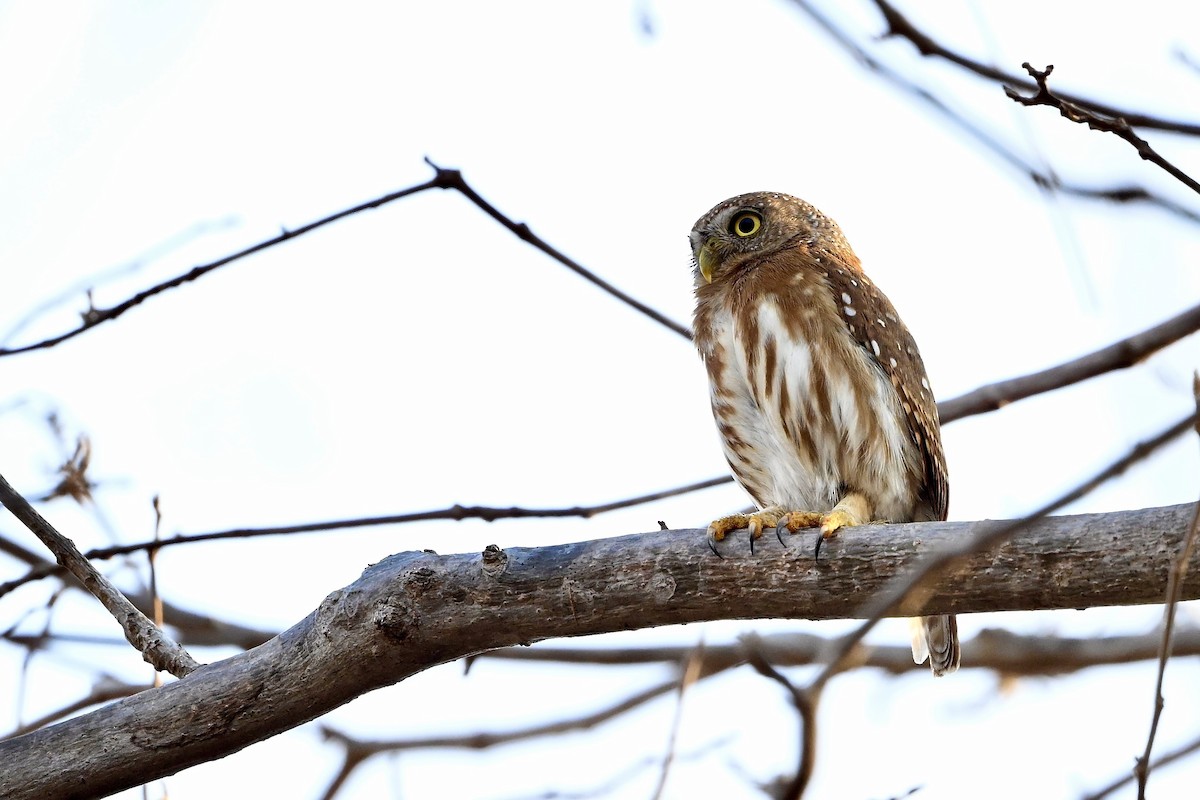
x=708 y=259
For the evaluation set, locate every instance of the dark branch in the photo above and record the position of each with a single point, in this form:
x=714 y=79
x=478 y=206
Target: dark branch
x=1043 y=179
x=1118 y=355
x=994 y=649
x=96 y=316
x=453 y=179
x=1175 y=577
x=806 y=709
x=1115 y=125
x=443 y=179
x=42 y=569
x=899 y=25
x=1159 y=763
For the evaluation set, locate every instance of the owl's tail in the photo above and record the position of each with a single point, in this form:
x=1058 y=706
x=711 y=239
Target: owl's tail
x=936 y=638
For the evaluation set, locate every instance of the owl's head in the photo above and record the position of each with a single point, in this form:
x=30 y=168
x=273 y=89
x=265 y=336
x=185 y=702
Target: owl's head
x=747 y=227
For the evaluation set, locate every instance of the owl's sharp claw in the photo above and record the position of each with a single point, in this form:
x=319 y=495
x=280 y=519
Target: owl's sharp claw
x=817 y=549
x=712 y=545
x=780 y=527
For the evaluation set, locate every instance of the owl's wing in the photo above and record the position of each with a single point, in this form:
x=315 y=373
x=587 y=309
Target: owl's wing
x=885 y=339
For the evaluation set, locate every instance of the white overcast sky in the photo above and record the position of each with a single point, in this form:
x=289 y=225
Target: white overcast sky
x=419 y=355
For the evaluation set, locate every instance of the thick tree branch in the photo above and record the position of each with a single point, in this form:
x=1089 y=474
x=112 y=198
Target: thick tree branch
x=414 y=610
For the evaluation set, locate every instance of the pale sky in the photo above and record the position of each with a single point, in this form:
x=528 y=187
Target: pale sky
x=419 y=355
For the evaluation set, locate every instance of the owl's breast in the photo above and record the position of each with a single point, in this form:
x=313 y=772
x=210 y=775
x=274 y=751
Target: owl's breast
x=804 y=415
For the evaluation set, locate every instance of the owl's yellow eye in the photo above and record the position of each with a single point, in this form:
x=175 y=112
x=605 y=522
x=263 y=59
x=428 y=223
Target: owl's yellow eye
x=745 y=224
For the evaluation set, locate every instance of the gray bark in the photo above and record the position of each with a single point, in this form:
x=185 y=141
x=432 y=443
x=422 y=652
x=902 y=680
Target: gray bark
x=414 y=610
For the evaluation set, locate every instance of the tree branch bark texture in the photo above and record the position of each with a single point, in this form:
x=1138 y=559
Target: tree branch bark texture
x=414 y=610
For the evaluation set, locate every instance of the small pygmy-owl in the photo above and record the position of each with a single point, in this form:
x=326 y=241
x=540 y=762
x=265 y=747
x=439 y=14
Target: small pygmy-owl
x=818 y=391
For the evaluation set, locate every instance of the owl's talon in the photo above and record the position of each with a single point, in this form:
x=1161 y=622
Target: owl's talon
x=712 y=545
x=833 y=522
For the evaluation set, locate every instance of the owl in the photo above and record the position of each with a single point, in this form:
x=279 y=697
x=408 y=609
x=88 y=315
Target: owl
x=820 y=396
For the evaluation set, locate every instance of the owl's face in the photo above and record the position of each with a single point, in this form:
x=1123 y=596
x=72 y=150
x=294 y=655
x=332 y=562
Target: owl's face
x=748 y=226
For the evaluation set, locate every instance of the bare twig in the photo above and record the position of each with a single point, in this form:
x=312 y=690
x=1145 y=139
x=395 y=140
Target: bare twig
x=359 y=750
x=156 y=647
x=806 y=706
x=1118 y=355
x=455 y=513
x=899 y=25
x=1169 y=758
x=1174 y=589
x=96 y=316
x=442 y=179
x=1114 y=124
x=152 y=563
x=136 y=264
x=453 y=179
x=609 y=787
x=1043 y=179
x=690 y=674
x=894 y=596
x=1000 y=650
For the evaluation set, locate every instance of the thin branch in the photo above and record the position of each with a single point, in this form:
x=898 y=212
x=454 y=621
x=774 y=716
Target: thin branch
x=486 y=740
x=359 y=750
x=806 y=708
x=155 y=646
x=1169 y=758
x=611 y=785
x=96 y=316
x=899 y=25
x=1115 y=124
x=894 y=596
x=994 y=649
x=1175 y=578
x=1118 y=355
x=87 y=284
x=453 y=179
x=1042 y=179
x=689 y=675
x=42 y=569
x=442 y=179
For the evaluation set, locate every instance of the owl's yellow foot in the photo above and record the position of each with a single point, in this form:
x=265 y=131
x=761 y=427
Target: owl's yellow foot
x=854 y=509
x=773 y=517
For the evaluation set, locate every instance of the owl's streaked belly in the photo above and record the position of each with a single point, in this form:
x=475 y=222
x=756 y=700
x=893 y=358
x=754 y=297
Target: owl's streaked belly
x=798 y=432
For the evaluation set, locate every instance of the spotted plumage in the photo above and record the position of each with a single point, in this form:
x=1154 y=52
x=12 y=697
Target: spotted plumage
x=817 y=388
